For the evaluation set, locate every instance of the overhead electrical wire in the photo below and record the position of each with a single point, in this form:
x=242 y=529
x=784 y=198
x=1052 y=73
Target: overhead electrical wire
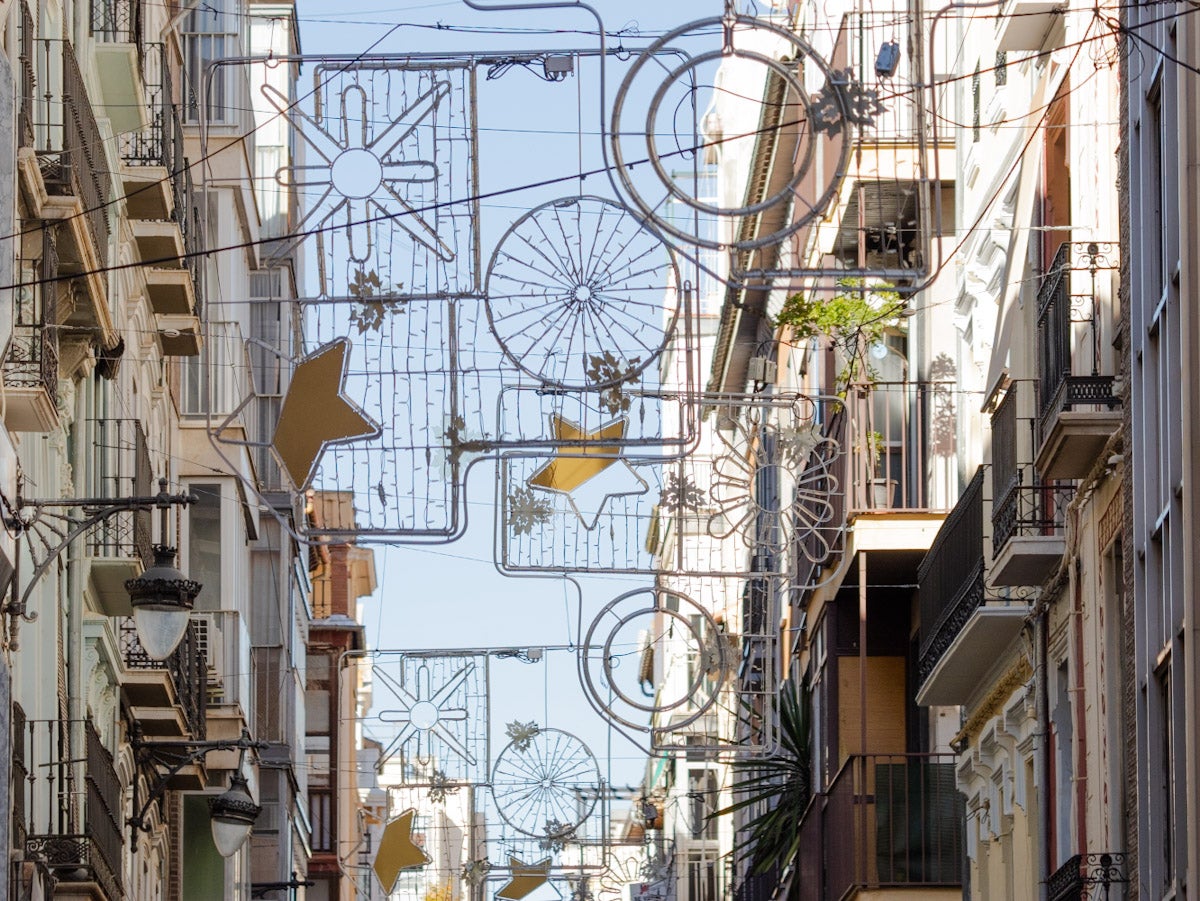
x=502 y=192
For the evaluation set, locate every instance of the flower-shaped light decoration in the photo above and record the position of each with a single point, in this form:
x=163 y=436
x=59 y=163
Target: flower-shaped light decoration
x=776 y=486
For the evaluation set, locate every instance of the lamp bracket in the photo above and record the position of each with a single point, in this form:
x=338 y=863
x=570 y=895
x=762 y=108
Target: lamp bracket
x=168 y=758
x=49 y=525
x=262 y=889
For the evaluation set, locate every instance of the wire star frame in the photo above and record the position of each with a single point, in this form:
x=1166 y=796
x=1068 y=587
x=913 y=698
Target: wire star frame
x=768 y=476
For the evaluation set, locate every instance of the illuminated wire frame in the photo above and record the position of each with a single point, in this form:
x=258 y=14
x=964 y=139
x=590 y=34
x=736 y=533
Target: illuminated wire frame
x=546 y=786
x=431 y=716
x=695 y=671
x=801 y=115
x=767 y=475
x=387 y=151
x=391 y=230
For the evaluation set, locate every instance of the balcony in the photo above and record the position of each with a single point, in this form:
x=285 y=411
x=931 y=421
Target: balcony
x=891 y=822
x=116 y=26
x=31 y=367
x=1077 y=411
x=1028 y=514
x=963 y=631
x=901 y=443
x=1089 y=876
x=65 y=177
x=121 y=547
x=81 y=844
x=1029 y=534
x=167 y=697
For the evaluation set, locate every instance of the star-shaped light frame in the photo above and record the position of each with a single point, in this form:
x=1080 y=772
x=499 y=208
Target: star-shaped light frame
x=317 y=413
x=574 y=465
x=397 y=850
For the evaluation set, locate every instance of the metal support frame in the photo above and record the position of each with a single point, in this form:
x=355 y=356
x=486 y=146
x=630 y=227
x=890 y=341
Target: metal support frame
x=173 y=756
x=55 y=524
x=262 y=889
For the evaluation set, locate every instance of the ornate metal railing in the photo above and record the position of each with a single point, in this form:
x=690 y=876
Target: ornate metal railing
x=27 y=85
x=121 y=462
x=950 y=578
x=32 y=359
x=1087 y=876
x=118 y=22
x=68 y=141
x=1030 y=508
x=159 y=142
x=78 y=843
x=20 y=777
x=187 y=668
x=1059 y=388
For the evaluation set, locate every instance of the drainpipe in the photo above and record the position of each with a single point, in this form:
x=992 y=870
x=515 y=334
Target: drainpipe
x=1081 y=759
x=1041 y=759
x=74 y=602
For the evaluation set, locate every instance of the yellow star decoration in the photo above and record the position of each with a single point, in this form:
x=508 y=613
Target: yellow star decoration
x=525 y=879
x=575 y=464
x=316 y=413
x=397 y=851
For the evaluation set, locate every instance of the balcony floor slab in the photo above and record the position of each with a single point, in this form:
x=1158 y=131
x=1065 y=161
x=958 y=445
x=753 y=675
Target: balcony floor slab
x=1074 y=442
x=1027 y=560
x=980 y=642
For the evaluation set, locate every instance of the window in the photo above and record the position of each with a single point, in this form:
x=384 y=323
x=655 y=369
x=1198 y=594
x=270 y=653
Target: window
x=1001 y=68
x=1165 y=789
x=210 y=33
x=204 y=544
x=702 y=797
x=701 y=877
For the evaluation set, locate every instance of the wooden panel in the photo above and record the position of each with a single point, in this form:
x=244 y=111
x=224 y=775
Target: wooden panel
x=886 y=706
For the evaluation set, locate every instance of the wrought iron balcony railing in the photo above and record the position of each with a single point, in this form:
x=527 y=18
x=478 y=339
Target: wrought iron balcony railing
x=186 y=667
x=32 y=359
x=78 y=843
x=161 y=142
x=886 y=821
x=118 y=22
x=951 y=577
x=1030 y=509
x=26 y=82
x=893 y=820
x=1060 y=387
x=68 y=142
x=1088 y=876
x=121 y=467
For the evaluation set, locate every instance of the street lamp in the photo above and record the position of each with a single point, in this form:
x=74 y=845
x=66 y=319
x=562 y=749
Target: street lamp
x=233 y=812
x=162 y=597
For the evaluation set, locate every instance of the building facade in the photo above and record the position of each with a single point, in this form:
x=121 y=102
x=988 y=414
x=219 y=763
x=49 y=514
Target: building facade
x=125 y=327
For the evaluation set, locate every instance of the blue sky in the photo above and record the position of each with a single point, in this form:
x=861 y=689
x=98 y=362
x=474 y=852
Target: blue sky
x=452 y=596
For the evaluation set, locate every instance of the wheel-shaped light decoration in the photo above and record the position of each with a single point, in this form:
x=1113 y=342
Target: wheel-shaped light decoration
x=802 y=109
x=654 y=660
x=778 y=487
x=580 y=294
x=546 y=786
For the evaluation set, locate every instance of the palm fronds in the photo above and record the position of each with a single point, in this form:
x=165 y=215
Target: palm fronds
x=775 y=790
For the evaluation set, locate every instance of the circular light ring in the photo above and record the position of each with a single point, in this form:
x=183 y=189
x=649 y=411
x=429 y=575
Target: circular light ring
x=802 y=54
x=599 y=690
x=576 y=297
x=552 y=777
